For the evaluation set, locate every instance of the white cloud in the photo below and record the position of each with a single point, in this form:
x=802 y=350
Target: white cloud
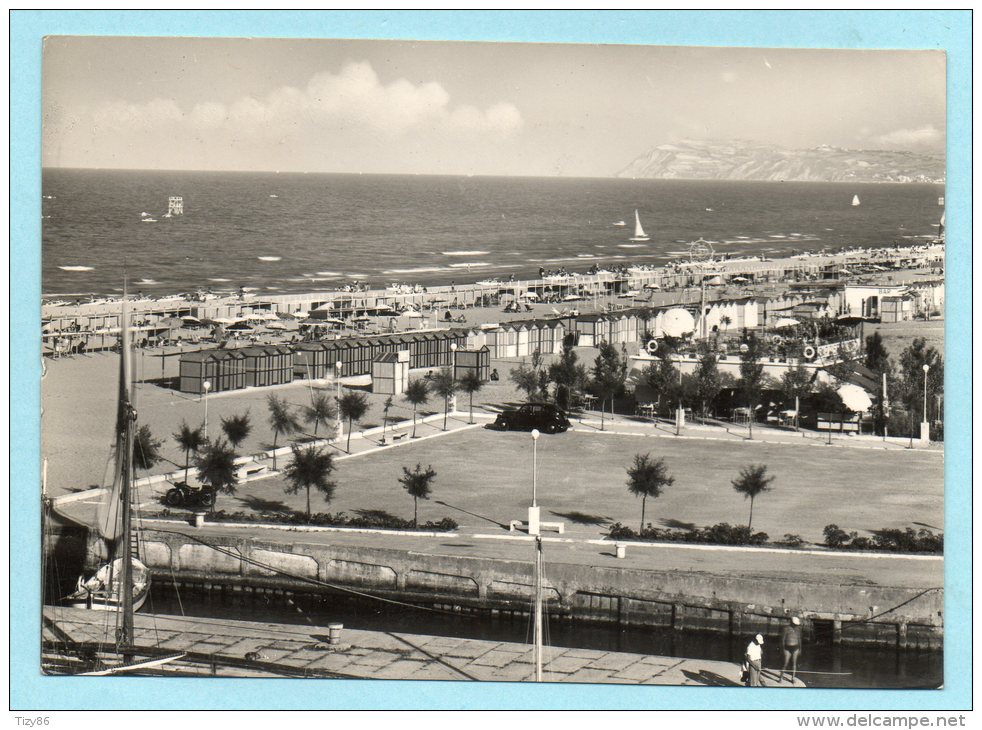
x=927 y=136
x=353 y=98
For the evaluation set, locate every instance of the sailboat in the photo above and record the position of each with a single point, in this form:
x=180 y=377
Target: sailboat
x=122 y=584
x=639 y=234
x=855 y=201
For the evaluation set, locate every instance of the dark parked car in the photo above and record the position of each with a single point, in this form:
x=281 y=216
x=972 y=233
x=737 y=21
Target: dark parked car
x=544 y=416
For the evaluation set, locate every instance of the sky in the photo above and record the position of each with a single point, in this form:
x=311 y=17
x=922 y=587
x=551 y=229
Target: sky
x=464 y=108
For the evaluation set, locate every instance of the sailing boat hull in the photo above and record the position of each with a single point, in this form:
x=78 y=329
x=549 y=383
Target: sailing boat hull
x=101 y=591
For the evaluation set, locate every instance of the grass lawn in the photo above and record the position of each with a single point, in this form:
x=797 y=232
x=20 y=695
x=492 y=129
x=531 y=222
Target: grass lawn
x=484 y=480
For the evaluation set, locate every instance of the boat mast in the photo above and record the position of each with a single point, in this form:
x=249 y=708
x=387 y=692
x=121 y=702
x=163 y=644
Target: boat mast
x=538 y=609
x=124 y=641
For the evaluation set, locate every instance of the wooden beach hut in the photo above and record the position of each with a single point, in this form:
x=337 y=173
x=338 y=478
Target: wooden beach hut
x=390 y=372
x=313 y=360
x=592 y=329
x=267 y=365
x=223 y=369
x=478 y=361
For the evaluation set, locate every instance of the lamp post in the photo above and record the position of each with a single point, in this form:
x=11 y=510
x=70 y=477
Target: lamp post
x=533 y=523
x=678 y=413
x=925 y=425
x=337 y=379
x=453 y=374
x=206 y=386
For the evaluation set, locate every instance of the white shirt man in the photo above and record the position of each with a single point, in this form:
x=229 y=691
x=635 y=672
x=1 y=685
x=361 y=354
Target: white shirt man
x=753 y=656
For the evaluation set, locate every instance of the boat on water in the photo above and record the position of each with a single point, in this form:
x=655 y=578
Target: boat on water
x=269 y=258
x=619 y=224
x=855 y=201
x=639 y=234
x=121 y=584
x=101 y=592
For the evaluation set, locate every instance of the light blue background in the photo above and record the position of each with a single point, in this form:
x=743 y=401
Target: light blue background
x=946 y=30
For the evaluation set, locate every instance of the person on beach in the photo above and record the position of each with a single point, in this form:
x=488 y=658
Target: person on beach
x=753 y=657
x=791 y=643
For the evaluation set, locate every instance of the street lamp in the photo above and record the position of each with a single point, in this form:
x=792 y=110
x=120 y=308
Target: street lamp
x=533 y=523
x=206 y=386
x=339 y=432
x=925 y=367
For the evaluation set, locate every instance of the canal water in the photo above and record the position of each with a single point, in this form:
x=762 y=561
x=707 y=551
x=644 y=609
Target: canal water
x=821 y=665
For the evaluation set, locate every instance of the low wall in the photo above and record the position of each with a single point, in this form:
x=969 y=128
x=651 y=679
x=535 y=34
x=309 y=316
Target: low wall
x=682 y=601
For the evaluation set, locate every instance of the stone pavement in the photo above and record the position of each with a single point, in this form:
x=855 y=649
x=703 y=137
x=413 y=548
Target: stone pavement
x=387 y=655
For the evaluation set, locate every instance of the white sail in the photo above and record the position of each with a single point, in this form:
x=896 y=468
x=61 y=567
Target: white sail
x=639 y=234
x=855 y=200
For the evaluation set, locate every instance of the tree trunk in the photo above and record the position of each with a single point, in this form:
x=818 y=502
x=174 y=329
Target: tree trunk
x=751 y=520
x=641 y=529
x=602 y=412
x=275 y=434
x=308 y=503
x=446 y=409
x=187 y=464
x=750 y=422
x=349 y=436
x=472 y=407
x=415 y=512
x=414 y=420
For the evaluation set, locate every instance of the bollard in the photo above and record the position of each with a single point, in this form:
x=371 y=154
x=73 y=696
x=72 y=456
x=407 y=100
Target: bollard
x=199 y=519
x=334 y=634
x=621 y=550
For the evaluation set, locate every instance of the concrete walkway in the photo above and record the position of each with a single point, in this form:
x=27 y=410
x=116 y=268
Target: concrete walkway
x=387 y=655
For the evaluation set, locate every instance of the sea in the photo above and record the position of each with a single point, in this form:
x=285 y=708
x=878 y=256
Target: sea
x=281 y=232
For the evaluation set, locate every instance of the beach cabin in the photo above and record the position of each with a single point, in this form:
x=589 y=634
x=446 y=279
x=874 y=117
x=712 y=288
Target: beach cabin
x=222 y=369
x=267 y=365
x=897 y=309
x=313 y=360
x=478 y=361
x=522 y=348
x=390 y=372
x=506 y=341
x=593 y=329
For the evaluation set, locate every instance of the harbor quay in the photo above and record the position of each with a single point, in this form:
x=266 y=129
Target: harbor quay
x=235 y=648
x=847 y=598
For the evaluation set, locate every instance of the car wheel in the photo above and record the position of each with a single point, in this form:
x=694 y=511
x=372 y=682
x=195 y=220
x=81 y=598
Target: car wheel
x=207 y=498
x=551 y=428
x=174 y=498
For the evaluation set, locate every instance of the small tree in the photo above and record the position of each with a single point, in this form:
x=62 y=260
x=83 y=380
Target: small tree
x=609 y=376
x=190 y=440
x=647 y=477
x=417 y=483
x=527 y=379
x=237 y=429
x=352 y=407
x=751 y=375
x=708 y=383
x=321 y=410
x=470 y=383
x=445 y=386
x=417 y=393
x=282 y=420
x=216 y=466
x=146 y=449
x=877 y=358
x=311 y=467
x=568 y=375
x=385 y=415
x=796 y=383
x=753 y=480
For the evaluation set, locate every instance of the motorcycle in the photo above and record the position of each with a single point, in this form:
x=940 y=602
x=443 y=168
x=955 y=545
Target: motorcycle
x=184 y=495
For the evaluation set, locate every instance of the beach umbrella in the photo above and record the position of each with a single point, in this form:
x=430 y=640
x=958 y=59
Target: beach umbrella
x=240 y=327
x=854 y=398
x=276 y=326
x=740 y=279
x=412 y=314
x=301 y=314
x=530 y=295
x=191 y=319
x=783 y=322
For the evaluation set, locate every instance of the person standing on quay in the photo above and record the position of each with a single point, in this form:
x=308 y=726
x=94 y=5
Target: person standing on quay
x=791 y=643
x=753 y=656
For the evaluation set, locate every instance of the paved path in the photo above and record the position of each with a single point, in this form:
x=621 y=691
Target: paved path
x=389 y=655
